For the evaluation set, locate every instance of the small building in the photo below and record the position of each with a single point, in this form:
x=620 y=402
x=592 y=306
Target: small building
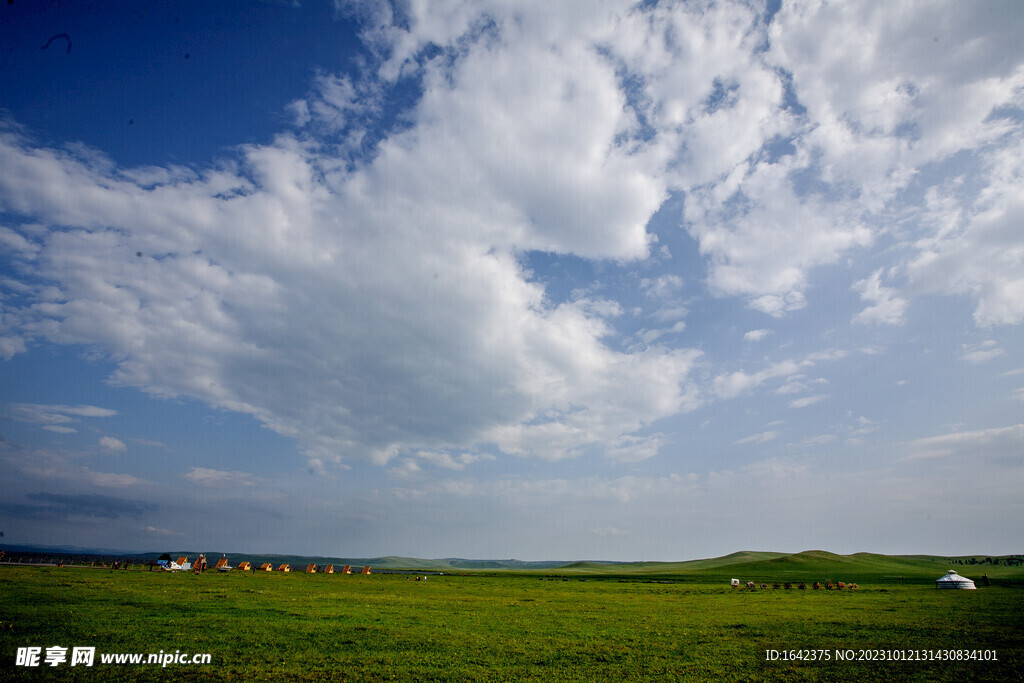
x=347 y=569
x=183 y=560
x=954 y=580
x=284 y=568
x=366 y=569
x=311 y=569
x=244 y=567
x=266 y=567
x=329 y=569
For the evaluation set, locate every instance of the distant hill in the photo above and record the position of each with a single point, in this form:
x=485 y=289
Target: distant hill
x=809 y=565
x=814 y=565
x=53 y=553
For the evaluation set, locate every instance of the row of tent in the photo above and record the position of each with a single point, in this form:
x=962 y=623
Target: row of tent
x=951 y=580
x=222 y=565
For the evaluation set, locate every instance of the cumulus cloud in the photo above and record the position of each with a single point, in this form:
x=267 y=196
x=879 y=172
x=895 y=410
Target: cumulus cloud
x=886 y=308
x=363 y=291
x=897 y=91
x=975 y=247
x=112 y=445
x=262 y=275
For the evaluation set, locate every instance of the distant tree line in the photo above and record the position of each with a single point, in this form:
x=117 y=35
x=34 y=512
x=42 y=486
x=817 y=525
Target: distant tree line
x=1009 y=561
x=62 y=559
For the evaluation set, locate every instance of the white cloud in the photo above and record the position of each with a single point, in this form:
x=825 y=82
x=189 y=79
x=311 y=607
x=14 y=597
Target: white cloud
x=761 y=437
x=527 y=493
x=47 y=467
x=213 y=478
x=814 y=441
x=55 y=418
x=981 y=353
x=886 y=308
x=897 y=86
x=662 y=286
x=756 y=335
x=763 y=238
x=807 y=401
x=901 y=88
x=739 y=382
x=59 y=429
x=10 y=346
x=736 y=383
x=998 y=444
x=449 y=461
x=218 y=286
x=112 y=479
x=670 y=314
x=975 y=248
x=794 y=387
x=650 y=336
x=112 y=445
x=54 y=414
x=376 y=306
x=635 y=448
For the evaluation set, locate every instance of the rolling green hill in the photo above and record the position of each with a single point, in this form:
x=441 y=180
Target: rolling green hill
x=760 y=567
x=815 y=565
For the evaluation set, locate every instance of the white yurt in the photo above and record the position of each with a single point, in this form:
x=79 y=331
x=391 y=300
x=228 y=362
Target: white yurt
x=954 y=580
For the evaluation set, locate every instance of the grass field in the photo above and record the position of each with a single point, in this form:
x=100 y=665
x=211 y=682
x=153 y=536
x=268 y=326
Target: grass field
x=515 y=626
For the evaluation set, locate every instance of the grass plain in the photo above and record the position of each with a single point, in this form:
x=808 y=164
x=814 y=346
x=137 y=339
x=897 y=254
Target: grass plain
x=584 y=623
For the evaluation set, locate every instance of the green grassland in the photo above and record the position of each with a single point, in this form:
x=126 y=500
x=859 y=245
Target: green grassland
x=655 y=621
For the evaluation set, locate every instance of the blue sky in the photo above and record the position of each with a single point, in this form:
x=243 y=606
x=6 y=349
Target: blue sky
x=624 y=281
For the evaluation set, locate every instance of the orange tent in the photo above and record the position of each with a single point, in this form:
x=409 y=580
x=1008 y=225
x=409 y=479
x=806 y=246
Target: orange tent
x=366 y=569
x=329 y=569
x=311 y=569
